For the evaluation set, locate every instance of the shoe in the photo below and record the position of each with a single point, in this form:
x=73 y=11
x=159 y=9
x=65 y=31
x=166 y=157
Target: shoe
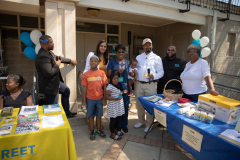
x=138 y=125
x=101 y=134
x=125 y=129
x=92 y=135
x=69 y=115
x=146 y=129
x=130 y=93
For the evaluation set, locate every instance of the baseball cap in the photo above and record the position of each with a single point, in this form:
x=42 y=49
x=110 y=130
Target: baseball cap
x=147 y=40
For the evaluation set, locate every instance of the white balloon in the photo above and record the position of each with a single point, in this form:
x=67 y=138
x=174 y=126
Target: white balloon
x=206 y=52
x=196 y=34
x=37 y=48
x=35 y=35
x=204 y=41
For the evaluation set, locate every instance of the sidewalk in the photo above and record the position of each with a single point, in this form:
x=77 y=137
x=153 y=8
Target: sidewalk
x=159 y=144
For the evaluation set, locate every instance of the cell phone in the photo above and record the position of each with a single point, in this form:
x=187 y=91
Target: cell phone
x=56 y=58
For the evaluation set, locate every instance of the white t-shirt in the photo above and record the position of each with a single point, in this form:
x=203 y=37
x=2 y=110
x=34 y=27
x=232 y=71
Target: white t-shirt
x=193 y=77
x=131 y=70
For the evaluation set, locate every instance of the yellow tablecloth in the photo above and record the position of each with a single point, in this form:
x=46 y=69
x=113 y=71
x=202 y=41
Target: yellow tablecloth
x=46 y=144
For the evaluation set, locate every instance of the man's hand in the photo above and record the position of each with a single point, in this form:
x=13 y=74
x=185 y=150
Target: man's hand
x=84 y=104
x=58 y=62
x=151 y=76
x=120 y=71
x=74 y=63
x=104 y=102
x=213 y=92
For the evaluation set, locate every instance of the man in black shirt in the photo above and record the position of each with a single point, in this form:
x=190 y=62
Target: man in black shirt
x=173 y=67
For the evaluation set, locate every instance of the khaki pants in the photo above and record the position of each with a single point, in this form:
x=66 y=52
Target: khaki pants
x=144 y=89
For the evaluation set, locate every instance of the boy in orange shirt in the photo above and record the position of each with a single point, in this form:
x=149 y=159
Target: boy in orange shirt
x=94 y=88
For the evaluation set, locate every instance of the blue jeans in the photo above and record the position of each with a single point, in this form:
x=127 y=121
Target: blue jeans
x=53 y=99
x=94 y=108
x=124 y=119
x=193 y=97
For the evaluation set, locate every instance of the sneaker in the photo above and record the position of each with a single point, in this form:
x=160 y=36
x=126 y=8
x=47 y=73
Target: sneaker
x=146 y=129
x=101 y=134
x=130 y=93
x=92 y=135
x=138 y=125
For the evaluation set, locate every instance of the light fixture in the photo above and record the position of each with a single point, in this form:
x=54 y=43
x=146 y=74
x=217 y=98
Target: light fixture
x=93 y=12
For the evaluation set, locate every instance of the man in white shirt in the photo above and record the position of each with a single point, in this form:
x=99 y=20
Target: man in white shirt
x=150 y=69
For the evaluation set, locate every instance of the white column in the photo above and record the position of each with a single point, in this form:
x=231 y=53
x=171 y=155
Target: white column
x=60 y=24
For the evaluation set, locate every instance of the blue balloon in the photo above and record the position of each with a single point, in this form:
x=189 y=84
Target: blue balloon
x=25 y=38
x=196 y=42
x=30 y=53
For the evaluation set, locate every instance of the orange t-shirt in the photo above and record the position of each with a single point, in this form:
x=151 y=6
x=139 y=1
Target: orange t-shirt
x=94 y=80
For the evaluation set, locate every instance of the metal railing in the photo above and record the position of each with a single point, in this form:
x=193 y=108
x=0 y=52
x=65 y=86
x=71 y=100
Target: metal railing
x=220 y=5
x=226 y=85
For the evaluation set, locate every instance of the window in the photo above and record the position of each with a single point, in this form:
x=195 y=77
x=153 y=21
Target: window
x=8 y=20
x=112 y=29
x=42 y=23
x=231 y=44
x=90 y=27
x=29 y=22
x=9 y=33
x=112 y=39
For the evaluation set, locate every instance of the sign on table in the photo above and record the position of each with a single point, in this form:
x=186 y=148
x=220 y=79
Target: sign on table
x=161 y=117
x=192 y=138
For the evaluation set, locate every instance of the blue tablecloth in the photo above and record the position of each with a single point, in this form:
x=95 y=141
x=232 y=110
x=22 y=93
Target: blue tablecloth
x=213 y=147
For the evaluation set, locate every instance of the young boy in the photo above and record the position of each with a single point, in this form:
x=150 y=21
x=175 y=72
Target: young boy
x=132 y=75
x=94 y=87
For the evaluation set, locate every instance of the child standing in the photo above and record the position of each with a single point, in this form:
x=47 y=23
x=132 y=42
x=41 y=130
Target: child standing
x=115 y=107
x=132 y=75
x=94 y=87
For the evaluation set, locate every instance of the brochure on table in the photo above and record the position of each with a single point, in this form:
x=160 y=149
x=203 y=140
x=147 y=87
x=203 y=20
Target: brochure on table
x=29 y=110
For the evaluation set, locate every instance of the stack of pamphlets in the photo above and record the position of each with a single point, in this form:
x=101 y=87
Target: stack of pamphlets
x=8 y=123
x=29 y=110
x=27 y=123
x=7 y=111
x=51 y=108
x=52 y=121
x=231 y=135
x=153 y=98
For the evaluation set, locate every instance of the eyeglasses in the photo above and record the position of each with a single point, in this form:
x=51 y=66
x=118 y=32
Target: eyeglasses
x=171 y=50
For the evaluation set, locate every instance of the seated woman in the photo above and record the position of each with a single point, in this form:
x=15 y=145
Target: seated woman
x=15 y=96
x=196 y=75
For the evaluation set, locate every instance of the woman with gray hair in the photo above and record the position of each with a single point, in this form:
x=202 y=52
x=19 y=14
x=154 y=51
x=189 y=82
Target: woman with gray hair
x=196 y=75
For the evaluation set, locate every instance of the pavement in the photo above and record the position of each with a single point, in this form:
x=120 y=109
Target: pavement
x=158 y=145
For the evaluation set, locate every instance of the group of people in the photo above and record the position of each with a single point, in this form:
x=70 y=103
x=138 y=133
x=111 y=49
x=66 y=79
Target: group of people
x=148 y=72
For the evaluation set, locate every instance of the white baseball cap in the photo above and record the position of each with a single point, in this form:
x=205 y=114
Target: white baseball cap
x=147 y=40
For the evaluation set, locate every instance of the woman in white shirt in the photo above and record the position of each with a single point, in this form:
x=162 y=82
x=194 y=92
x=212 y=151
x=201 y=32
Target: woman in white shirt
x=102 y=53
x=196 y=75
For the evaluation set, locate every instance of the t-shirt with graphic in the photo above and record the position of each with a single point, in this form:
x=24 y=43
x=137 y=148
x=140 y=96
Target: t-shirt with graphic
x=94 y=80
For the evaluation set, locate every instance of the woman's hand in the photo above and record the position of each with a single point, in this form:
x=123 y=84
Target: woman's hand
x=214 y=92
x=120 y=71
x=81 y=76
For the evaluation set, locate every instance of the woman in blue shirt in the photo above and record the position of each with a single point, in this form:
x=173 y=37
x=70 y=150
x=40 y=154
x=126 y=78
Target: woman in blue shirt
x=121 y=66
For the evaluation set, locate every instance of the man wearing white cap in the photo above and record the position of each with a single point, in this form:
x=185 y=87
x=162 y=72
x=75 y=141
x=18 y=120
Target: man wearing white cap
x=150 y=69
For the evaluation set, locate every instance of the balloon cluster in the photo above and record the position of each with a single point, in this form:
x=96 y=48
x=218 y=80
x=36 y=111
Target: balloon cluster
x=31 y=40
x=201 y=43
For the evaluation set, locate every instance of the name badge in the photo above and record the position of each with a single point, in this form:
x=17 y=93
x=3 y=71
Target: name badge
x=177 y=65
x=120 y=79
x=145 y=74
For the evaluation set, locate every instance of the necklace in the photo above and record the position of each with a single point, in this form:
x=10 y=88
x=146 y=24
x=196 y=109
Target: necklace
x=15 y=94
x=189 y=67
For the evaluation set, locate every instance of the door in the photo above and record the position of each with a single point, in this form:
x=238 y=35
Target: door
x=86 y=42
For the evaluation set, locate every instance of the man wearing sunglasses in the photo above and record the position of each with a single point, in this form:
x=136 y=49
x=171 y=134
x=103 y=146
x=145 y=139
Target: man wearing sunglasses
x=173 y=66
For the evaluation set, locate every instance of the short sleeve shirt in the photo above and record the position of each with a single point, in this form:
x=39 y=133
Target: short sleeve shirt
x=94 y=80
x=18 y=102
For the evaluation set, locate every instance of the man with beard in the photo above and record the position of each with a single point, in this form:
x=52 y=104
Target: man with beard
x=50 y=80
x=173 y=66
x=149 y=69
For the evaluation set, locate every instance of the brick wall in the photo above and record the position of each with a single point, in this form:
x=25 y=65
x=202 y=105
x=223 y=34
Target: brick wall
x=17 y=62
x=221 y=61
